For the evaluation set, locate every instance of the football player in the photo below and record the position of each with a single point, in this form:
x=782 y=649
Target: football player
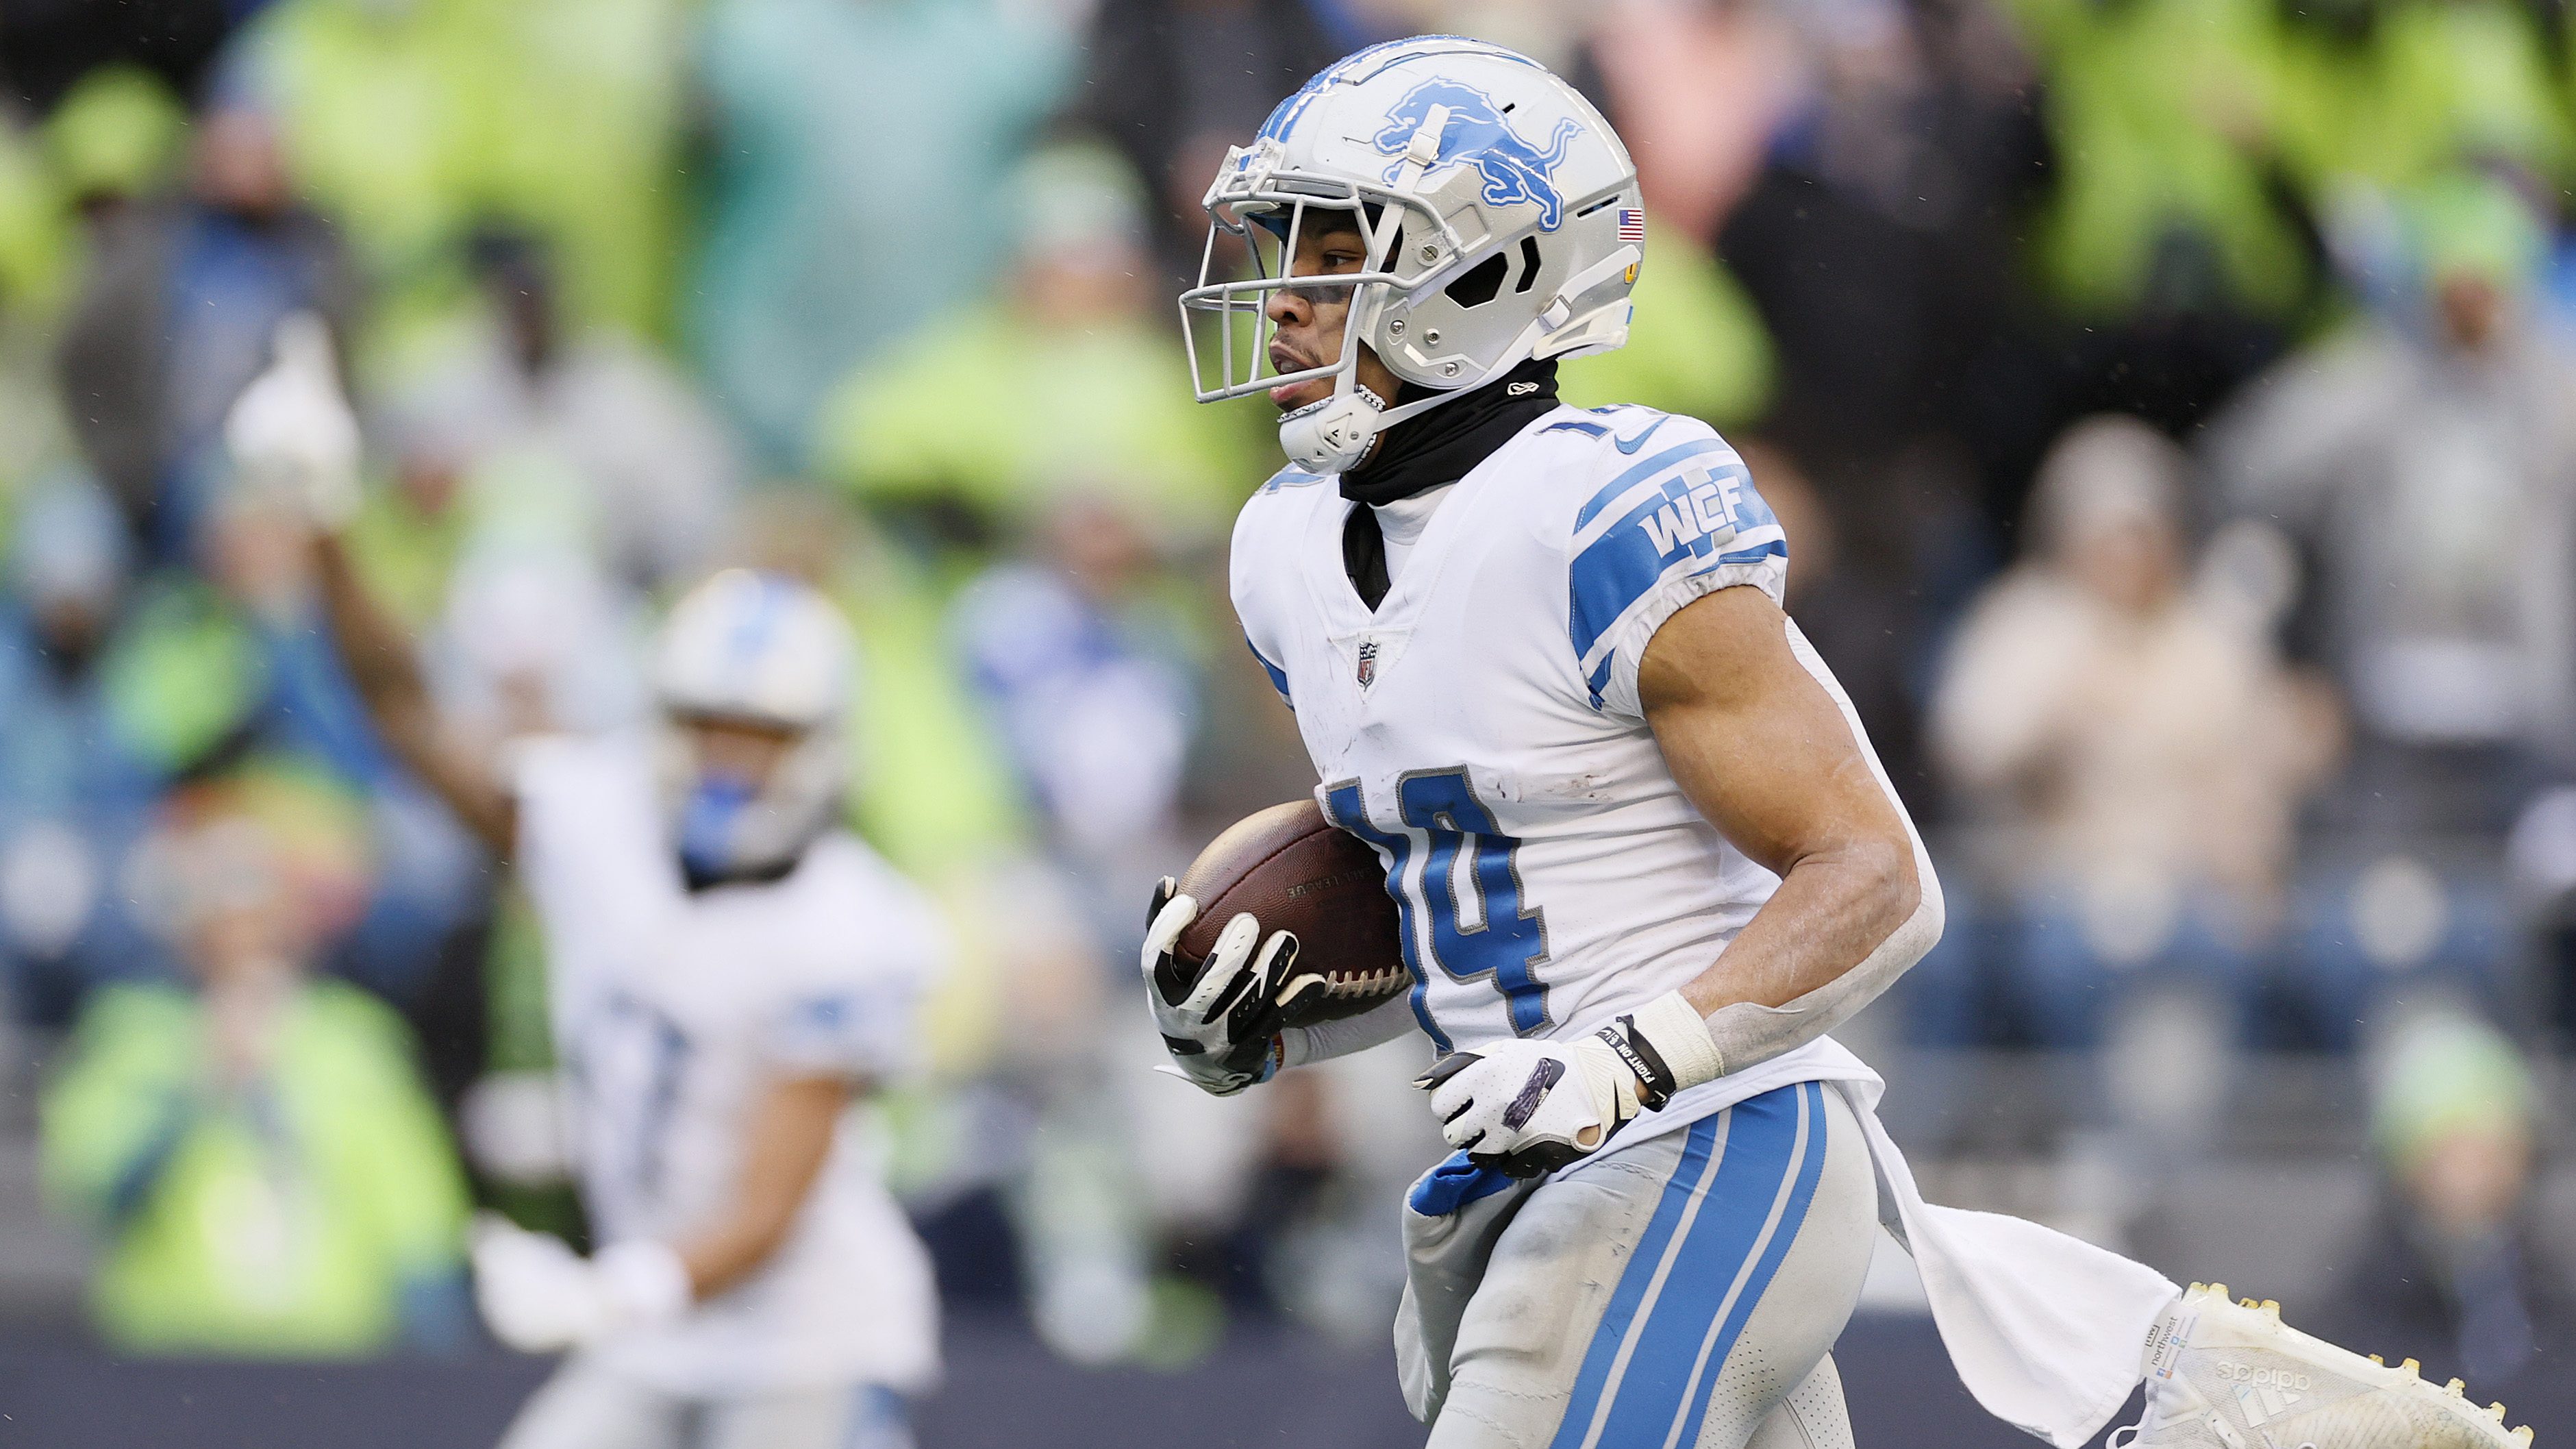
x=729 y=971
x=1643 y=856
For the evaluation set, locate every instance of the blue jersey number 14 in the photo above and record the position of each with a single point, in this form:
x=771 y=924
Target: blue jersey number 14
x=1467 y=893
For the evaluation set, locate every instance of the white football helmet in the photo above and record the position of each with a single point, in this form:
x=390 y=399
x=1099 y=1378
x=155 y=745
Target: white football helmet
x=756 y=649
x=1499 y=211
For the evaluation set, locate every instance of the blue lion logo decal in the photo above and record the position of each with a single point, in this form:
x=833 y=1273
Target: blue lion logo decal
x=1477 y=134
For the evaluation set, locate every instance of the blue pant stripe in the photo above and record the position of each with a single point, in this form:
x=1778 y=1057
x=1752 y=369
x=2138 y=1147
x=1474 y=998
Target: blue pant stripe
x=1718 y=1271
x=1689 y=1183
x=1761 y=1154
x=1793 y=1215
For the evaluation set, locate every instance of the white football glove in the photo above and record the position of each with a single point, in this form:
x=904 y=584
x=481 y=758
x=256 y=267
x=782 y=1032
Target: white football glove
x=539 y=1296
x=1530 y=1107
x=1222 y=1029
x=291 y=431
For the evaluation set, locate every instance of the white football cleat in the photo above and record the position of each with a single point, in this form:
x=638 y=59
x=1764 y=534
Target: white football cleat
x=2228 y=1375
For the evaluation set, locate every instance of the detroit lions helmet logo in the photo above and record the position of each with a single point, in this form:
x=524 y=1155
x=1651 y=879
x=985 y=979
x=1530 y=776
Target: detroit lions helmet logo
x=1477 y=134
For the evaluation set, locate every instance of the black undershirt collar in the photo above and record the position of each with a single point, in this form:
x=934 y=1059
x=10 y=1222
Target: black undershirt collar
x=1435 y=448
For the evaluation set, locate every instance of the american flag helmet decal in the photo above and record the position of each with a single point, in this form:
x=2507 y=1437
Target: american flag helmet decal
x=1632 y=226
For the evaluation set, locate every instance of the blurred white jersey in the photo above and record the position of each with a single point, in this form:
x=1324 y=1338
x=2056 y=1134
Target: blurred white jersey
x=672 y=1011
x=1482 y=730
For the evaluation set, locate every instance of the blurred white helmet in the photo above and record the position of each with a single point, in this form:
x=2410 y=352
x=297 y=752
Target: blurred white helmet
x=759 y=650
x=1499 y=211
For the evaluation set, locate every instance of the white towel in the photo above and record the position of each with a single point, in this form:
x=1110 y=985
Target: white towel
x=2047 y=1331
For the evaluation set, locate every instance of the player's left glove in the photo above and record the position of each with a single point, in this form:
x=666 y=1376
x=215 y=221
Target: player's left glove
x=1531 y=1107
x=539 y=1296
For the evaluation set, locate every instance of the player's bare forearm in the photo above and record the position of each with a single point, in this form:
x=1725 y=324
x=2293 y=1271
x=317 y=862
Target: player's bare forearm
x=378 y=654
x=1765 y=753
x=791 y=1135
x=1832 y=910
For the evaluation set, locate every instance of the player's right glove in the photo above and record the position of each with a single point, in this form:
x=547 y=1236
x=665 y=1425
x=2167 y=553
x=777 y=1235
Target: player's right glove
x=539 y=1296
x=1530 y=1107
x=1222 y=1028
x=291 y=432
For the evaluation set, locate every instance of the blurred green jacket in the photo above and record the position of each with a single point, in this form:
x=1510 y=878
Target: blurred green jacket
x=2423 y=87
x=411 y=124
x=38 y=240
x=1004 y=414
x=318 y=1212
x=2164 y=117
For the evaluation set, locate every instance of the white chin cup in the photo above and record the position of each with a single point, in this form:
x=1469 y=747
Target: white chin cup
x=1333 y=435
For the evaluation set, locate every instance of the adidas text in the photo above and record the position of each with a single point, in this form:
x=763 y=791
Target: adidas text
x=2278 y=1378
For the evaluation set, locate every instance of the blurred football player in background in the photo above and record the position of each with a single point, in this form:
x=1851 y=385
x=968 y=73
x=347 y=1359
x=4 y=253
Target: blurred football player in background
x=730 y=971
x=1643 y=856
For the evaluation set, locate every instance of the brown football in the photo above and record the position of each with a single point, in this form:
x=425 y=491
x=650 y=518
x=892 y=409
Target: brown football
x=1295 y=872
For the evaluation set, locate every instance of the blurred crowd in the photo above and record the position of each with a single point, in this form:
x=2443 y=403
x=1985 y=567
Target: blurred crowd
x=2171 y=405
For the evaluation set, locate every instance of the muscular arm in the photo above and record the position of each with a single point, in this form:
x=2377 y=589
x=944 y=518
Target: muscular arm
x=1766 y=754
x=791 y=1134
x=379 y=658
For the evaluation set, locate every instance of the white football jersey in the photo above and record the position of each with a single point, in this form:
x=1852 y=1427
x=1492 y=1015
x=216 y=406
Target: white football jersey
x=1481 y=728
x=672 y=1011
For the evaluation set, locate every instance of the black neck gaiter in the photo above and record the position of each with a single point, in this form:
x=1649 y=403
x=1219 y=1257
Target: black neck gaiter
x=1440 y=446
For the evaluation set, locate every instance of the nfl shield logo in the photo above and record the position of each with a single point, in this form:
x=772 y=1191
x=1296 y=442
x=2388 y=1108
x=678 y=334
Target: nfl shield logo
x=1368 y=663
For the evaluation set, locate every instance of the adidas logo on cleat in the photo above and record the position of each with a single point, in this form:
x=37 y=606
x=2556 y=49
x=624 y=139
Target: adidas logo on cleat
x=2263 y=1402
x=2249 y=1374
x=2265 y=1378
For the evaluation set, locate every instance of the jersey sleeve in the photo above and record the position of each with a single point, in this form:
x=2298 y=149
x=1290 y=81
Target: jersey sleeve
x=1682 y=520
x=857 y=1011
x=1252 y=569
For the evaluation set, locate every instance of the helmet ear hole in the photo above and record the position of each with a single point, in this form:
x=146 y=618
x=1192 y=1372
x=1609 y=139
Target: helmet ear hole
x=1480 y=283
x=1529 y=266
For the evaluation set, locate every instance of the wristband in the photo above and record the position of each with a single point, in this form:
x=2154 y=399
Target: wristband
x=1666 y=1043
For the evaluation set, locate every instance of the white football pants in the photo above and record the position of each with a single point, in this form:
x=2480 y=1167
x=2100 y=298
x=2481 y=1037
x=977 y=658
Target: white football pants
x=1683 y=1293
x=585 y=1406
